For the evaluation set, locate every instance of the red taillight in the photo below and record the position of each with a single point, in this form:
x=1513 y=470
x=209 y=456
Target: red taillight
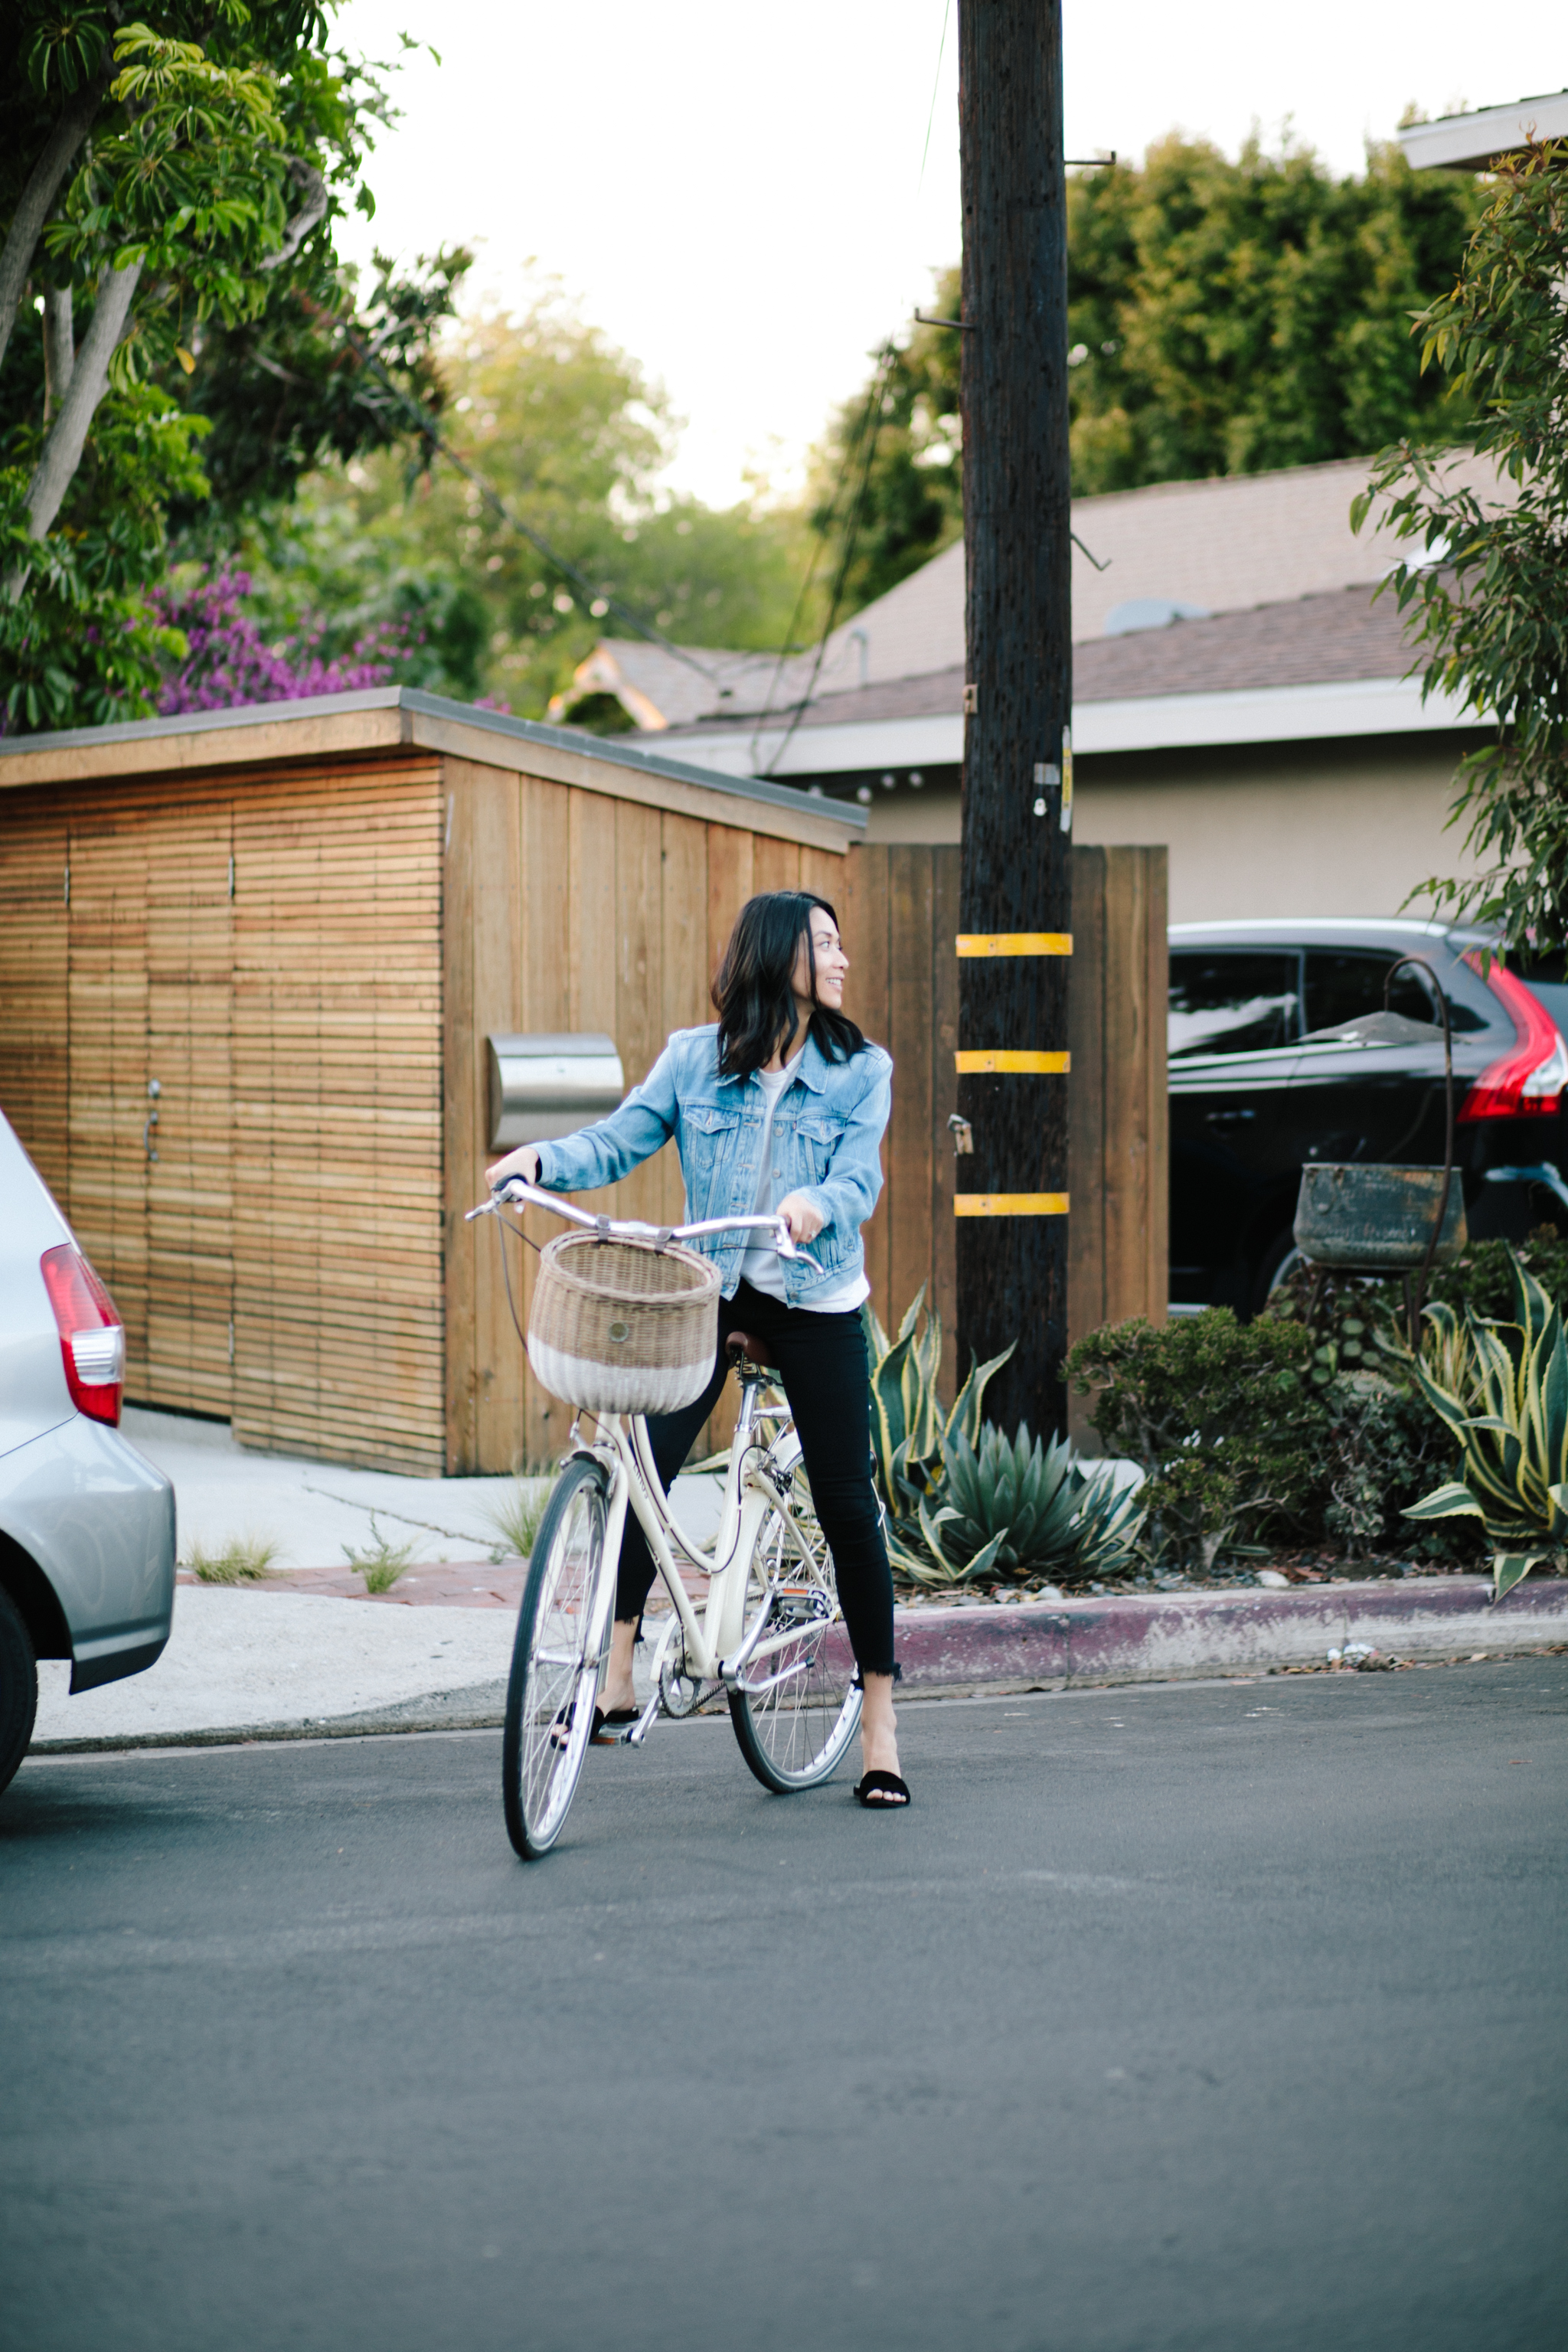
x=92 y=1338
x=1525 y=1084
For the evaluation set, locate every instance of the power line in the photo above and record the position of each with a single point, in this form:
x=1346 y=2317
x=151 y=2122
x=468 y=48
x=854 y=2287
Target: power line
x=935 y=87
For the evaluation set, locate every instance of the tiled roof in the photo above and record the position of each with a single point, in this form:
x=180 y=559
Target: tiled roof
x=658 y=685
x=1229 y=544
x=1234 y=546
x=1309 y=641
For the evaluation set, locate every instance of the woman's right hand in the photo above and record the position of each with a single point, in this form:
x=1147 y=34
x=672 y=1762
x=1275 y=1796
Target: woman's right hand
x=524 y=1162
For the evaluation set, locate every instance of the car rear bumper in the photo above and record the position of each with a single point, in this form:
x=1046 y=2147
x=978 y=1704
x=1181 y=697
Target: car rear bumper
x=99 y=1521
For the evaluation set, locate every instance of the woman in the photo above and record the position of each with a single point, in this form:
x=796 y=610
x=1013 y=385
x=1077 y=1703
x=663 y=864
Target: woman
x=777 y=1107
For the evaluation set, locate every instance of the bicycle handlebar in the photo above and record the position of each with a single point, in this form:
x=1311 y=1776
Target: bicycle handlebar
x=517 y=1190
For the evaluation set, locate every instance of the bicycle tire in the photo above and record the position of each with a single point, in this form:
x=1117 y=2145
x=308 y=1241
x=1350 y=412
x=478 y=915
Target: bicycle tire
x=794 y=1735
x=562 y=1626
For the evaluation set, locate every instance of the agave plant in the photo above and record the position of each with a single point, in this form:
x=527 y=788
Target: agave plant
x=909 y=1427
x=961 y=1501
x=1025 y=1504
x=1503 y=1389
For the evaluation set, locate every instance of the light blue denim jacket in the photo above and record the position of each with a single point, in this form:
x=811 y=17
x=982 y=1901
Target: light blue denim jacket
x=827 y=1130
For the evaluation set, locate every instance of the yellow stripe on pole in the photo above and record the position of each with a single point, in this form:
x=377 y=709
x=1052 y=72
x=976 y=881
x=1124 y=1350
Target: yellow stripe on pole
x=1010 y=1204
x=1009 y=1062
x=1015 y=943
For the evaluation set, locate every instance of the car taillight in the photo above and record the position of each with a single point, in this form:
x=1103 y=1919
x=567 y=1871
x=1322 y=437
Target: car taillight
x=92 y=1338
x=1527 y=1083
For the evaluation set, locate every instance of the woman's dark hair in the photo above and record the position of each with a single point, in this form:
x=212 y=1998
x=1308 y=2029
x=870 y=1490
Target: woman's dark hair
x=751 y=990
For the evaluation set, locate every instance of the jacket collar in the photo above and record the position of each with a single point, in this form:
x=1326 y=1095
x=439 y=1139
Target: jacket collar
x=813 y=1071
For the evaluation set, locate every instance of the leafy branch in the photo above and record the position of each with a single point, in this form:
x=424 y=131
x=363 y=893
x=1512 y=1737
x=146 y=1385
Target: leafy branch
x=1489 y=590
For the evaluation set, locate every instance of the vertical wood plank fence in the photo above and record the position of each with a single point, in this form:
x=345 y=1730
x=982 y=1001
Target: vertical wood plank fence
x=899 y=919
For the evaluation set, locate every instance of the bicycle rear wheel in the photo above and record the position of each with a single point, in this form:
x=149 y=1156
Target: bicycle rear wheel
x=799 y=1705
x=562 y=1628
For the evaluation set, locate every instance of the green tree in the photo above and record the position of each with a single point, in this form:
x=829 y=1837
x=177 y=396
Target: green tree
x=1223 y=318
x=911 y=504
x=566 y=429
x=167 y=186
x=1487 y=581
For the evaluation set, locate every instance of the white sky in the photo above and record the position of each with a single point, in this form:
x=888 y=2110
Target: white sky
x=733 y=192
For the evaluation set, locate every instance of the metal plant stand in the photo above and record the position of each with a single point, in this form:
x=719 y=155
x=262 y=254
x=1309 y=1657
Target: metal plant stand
x=1374 y=1218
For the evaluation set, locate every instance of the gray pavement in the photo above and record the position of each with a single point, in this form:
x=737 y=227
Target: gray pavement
x=1181 y=2019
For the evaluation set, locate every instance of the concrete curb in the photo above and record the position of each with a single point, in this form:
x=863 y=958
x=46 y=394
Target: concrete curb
x=1056 y=1646
x=481 y=1706
x=1166 y=1637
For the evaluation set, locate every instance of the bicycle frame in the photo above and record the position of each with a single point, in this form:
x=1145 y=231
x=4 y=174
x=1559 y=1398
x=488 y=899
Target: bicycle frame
x=717 y=1646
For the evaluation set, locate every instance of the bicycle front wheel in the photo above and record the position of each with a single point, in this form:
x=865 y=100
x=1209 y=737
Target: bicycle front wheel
x=799 y=1705
x=561 y=1630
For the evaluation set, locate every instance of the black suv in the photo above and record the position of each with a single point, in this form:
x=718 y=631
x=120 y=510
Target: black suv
x=1257 y=1089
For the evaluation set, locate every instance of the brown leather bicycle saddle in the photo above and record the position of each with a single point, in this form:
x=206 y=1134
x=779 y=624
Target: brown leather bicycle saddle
x=742 y=1348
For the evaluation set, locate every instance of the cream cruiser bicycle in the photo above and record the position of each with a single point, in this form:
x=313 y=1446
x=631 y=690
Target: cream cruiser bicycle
x=765 y=1636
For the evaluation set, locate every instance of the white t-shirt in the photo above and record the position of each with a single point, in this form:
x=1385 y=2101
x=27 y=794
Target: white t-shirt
x=761 y=1265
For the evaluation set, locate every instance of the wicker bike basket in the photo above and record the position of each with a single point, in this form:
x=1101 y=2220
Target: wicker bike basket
x=623 y=1325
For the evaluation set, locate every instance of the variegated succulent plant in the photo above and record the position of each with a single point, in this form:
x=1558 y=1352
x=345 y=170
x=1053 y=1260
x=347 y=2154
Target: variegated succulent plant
x=1502 y=1389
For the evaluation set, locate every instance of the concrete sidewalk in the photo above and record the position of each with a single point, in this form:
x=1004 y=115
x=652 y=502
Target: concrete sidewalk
x=310 y=1647
x=315 y=1512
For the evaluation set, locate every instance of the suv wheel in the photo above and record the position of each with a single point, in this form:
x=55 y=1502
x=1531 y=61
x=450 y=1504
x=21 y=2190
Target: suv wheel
x=19 y=1688
x=1277 y=1261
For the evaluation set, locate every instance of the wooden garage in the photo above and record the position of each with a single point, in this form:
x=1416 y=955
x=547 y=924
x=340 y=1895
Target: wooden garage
x=249 y=961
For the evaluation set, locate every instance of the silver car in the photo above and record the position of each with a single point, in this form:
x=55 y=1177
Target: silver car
x=87 y=1526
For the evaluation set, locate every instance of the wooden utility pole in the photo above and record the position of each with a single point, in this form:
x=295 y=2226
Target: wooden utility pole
x=1015 y=904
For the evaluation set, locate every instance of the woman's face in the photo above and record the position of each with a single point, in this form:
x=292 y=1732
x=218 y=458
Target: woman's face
x=832 y=963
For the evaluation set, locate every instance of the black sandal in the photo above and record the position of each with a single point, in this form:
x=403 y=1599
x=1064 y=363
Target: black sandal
x=618 y=1718
x=882 y=1792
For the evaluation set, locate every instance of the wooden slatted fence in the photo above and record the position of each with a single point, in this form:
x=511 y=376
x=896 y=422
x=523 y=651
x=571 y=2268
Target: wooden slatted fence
x=568 y=909
x=900 y=918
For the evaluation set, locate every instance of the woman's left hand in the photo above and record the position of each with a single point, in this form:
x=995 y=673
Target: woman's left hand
x=803 y=1219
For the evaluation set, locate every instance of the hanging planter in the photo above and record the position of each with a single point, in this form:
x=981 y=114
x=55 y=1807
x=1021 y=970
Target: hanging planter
x=1376 y=1218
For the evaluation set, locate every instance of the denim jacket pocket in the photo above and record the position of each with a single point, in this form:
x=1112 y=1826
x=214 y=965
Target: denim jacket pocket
x=817 y=1136
x=710 y=1151
x=710 y=1118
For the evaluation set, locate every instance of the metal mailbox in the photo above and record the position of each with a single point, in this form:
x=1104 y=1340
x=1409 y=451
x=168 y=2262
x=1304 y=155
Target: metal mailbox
x=545 y=1085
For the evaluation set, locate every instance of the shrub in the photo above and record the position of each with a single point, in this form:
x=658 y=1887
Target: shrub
x=1224 y=1419
x=1385 y=1448
x=227 y=663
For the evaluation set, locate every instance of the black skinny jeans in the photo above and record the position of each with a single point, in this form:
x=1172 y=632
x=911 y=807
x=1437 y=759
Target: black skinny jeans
x=822 y=1362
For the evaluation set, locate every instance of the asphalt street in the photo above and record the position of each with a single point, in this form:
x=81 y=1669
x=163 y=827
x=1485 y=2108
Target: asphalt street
x=1169 y=2020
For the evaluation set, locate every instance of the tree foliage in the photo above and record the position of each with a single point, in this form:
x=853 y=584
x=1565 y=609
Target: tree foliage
x=1487 y=581
x=912 y=505
x=570 y=433
x=168 y=191
x=1224 y=317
